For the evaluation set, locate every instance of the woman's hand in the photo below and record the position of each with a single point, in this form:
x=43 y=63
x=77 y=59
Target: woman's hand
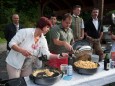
x=25 y=52
x=21 y=50
x=63 y=55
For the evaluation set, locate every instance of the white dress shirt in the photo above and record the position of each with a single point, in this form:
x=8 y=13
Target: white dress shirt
x=25 y=39
x=17 y=26
x=95 y=22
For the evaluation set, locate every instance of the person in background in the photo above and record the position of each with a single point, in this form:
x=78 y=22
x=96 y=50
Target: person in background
x=11 y=29
x=53 y=20
x=29 y=43
x=62 y=36
x=77 y=23
x=112 y=31
x=112 y=35
x=94 y=32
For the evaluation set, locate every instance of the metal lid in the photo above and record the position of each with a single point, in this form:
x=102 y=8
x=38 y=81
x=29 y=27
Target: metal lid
x=80 y=43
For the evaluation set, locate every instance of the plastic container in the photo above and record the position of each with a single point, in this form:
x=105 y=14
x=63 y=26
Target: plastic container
x=63 y=68
x=95 y=58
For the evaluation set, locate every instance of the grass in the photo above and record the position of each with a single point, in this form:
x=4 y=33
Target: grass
x=2 y=41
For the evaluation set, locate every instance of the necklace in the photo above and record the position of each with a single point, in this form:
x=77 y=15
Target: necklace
x=36 y=39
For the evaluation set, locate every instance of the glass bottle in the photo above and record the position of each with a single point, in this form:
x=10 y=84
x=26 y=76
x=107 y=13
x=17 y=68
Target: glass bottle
x=106 y=62
x=70 y=59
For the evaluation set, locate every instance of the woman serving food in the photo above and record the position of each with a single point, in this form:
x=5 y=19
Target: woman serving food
x=26 y=44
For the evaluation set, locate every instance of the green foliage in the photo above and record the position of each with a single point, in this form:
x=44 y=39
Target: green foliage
x=2 y=40
x=29 y=18
x=86 y=16
x=1 y=34
x=2 y=26
x=28 y=15
x=110 y=12
x=28 y=10
x=8 y=13
x=47 y=11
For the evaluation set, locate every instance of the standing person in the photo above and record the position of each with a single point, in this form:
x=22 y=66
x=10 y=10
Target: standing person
x=53 y=20
x=94 y=32
x=62 y=36
x=24 y=44
x=77 y=23
x=11 y=29
x=112 y=31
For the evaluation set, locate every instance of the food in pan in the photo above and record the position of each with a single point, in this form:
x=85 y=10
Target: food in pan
x=46 y=76
x=84 y=57
x=86 y=64
x=43 y=73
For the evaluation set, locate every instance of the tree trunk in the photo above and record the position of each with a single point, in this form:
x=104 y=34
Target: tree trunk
x=101 y=8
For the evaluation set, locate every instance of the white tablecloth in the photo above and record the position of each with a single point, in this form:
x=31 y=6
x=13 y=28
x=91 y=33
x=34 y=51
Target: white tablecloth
x=101 y=77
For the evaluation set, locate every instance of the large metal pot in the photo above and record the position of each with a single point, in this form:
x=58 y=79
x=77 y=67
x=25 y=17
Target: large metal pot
x=81 y=48
x=80 y=43
x=47 y=81
x=84 y=70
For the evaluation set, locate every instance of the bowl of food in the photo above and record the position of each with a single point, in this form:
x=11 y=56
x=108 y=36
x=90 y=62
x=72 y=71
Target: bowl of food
x=85 y=67
x=46 y=77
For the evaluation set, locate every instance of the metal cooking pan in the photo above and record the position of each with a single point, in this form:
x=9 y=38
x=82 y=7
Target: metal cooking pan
x=80 y=43
x=47 y=81
x=84 y=70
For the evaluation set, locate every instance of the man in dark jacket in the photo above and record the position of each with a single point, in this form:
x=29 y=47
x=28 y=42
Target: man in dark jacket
x=94 y=32
x=11 y=29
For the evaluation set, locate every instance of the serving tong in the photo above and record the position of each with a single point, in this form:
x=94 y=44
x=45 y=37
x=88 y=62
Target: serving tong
x=32 y=61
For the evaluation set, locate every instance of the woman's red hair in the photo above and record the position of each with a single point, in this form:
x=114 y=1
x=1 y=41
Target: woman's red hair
x=43 y=21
